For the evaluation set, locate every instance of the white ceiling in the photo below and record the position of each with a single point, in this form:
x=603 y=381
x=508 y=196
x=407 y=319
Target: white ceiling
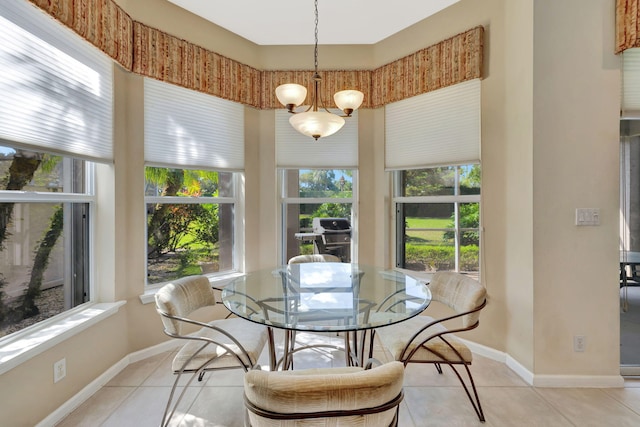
x=286 y=22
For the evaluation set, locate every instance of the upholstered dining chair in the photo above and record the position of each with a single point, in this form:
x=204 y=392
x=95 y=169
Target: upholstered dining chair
x=220 y=344
x=423 y=339
x=299 y=259
x=350 y=396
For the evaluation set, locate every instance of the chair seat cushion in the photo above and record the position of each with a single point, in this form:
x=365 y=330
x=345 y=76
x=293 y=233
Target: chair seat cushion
x=395 y=338
x=328 y=389
x=250 y=335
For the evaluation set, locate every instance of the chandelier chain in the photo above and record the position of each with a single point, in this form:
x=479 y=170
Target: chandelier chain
x=315 y=53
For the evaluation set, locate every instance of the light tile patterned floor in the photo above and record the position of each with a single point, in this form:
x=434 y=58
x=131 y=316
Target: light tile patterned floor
x=136 y=397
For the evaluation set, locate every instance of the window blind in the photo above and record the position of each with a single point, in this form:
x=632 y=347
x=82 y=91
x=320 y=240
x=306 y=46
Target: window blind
x=630 y=99
x=434 y=129
x=190 y=129
x=294 y=150
x=56 y=89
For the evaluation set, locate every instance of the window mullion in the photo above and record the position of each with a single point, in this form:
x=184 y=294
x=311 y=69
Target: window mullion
x=7 y=196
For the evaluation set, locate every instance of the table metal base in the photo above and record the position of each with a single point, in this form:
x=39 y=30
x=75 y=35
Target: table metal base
x=353 y=348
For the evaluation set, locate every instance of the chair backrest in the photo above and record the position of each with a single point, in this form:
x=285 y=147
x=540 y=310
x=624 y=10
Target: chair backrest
x=299 y=259
x=180 y=298
x=349 y=396
x=459 y=292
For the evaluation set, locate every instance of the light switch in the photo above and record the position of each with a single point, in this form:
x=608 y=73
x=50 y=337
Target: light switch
x=587 y=216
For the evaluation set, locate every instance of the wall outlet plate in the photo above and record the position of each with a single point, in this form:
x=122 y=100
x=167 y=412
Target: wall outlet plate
x=59 y=370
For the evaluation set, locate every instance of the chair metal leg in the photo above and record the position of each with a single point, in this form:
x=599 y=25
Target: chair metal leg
x=167 y=415
x=474 y=402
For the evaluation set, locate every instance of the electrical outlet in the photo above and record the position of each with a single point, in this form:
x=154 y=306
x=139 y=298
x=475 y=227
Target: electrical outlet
x=579 y=343
x=59 y=370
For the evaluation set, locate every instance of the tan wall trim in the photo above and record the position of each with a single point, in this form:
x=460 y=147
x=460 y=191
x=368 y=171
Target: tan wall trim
x=154 y=53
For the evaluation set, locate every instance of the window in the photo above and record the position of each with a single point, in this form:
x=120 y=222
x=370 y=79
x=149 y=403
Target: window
x=194 y=154
x=316 y=182
x=437 y=218
x=317 y=193
x=44 y=236
x=55 y=119
x=190 y=222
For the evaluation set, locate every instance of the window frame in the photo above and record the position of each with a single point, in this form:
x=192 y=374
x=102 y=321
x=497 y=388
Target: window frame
x=285 y=200
x=456 y=199
x=88 y=198
x=237 y=202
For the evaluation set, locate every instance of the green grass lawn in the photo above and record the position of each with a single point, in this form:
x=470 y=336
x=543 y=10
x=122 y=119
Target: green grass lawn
x=427 y=222
x=427 y=237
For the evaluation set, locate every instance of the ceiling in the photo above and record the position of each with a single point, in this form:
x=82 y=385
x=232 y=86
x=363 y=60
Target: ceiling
x=287 y=22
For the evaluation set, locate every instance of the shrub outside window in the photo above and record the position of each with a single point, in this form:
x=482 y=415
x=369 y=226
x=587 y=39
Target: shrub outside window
x=438 y=218
x=190 y=222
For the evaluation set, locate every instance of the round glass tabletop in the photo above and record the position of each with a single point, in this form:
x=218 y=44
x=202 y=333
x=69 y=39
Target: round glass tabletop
x=326 y=297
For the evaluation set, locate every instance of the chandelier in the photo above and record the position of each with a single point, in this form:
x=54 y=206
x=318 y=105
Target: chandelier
x=312 y=122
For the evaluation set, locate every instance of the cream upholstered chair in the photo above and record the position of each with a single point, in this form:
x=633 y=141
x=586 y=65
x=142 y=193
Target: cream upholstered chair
x=220 y=344
x=324 y=397
x=423 y=339
x=299 y=259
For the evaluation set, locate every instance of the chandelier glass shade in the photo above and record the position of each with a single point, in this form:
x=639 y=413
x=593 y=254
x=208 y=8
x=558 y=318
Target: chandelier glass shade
x=291 y=95
x=316 y=124
x=312 y=122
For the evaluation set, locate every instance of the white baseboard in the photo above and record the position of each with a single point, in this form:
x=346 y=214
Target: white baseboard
x=168 y=345
x=79 y=398
x=484 y=351
x=519 y=369
x=579 y=381
x=558 y=381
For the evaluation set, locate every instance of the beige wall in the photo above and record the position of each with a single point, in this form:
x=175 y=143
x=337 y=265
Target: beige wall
x=549 y=145
x=514 y=182
x=575 y=164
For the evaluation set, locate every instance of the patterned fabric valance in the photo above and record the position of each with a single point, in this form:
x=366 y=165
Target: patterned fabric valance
x=167 y=58
x=449 y=62
x=153 y=53
x=101 y=22
x=627 y=24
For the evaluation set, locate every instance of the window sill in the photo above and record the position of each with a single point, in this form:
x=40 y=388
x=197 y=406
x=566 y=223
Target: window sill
x=22 y=346
x=217 y=282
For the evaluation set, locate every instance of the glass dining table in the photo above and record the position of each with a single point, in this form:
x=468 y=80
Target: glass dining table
x=351 y=299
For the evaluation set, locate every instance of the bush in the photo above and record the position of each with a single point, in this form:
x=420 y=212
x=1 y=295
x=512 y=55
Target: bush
x=469 y=258
x=441 y=257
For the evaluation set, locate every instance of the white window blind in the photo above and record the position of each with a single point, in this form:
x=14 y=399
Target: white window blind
x=294 y=150
x=630 y=100
x=193 y=130
x=55 y=88
x=434 y=129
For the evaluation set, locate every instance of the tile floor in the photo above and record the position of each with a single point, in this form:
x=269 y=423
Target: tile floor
x=136 y=397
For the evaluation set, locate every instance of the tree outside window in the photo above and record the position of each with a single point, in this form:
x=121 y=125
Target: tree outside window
x=44 y=248
x=189 y=222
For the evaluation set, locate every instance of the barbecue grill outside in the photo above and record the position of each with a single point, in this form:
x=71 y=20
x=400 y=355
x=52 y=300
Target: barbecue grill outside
x=330 y=236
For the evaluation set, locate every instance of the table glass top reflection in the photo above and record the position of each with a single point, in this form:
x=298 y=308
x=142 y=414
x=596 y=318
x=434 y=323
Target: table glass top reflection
x=326 y=297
